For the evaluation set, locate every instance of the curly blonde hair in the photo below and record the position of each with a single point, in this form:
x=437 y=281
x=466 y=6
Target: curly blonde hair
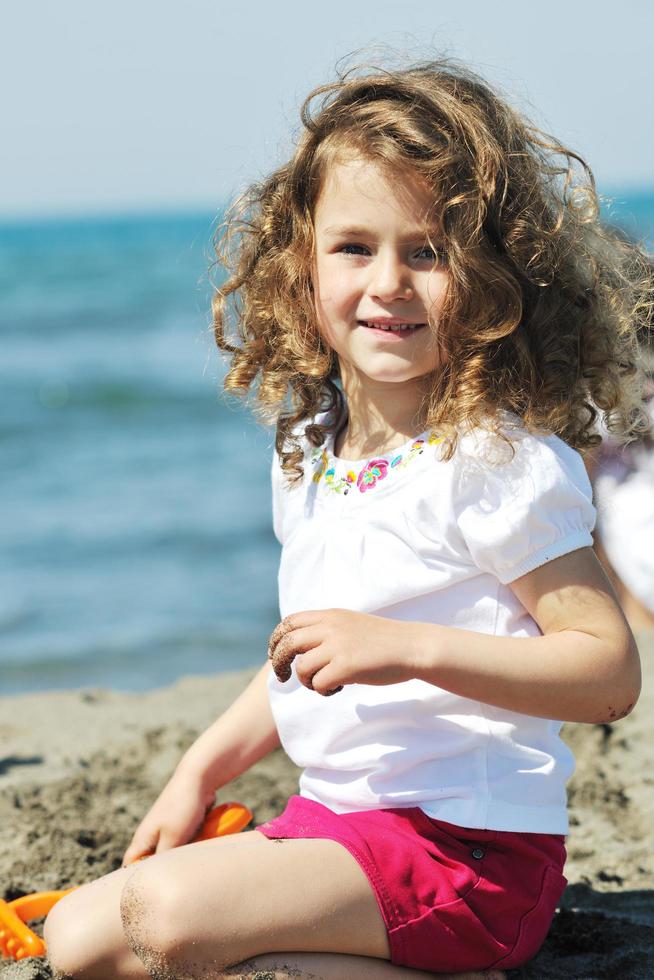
x=544 y=303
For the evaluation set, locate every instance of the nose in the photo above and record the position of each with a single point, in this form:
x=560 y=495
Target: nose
x=390 y=278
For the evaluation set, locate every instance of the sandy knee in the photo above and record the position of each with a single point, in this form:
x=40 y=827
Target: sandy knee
x=152 y=916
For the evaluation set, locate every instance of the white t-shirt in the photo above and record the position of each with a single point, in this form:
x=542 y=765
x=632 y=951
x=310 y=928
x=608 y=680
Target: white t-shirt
x=412 y=537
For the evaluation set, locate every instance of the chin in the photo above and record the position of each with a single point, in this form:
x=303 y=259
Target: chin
x=396 y=373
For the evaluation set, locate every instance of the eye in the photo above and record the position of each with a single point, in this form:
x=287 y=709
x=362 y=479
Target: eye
x=434 y=255
x=352 y=249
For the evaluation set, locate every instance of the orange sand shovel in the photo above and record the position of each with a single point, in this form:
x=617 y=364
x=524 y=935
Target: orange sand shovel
x=17 y=941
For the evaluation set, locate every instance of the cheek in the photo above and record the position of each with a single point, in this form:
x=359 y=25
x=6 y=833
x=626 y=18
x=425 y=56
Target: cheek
x=332 y=288
x=325 y=316
x=330 y=333
x=435 y=291
x=334 y=301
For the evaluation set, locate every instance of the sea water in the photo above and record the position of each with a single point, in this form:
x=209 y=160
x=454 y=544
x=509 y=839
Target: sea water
x=135 y=524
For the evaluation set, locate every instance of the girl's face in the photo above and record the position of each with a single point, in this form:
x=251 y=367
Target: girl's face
x=374 y=269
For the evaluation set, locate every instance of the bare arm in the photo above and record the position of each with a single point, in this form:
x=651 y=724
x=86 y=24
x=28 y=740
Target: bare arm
x=241 y=736
x=585 y=667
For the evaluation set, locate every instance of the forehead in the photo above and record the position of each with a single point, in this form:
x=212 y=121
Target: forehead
x=356 y=190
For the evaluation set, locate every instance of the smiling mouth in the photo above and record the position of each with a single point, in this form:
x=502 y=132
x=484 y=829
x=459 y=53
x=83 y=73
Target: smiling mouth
x=391 y=326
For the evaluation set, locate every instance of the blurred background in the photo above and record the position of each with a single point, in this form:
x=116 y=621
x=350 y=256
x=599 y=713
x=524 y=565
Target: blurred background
x=135 y=539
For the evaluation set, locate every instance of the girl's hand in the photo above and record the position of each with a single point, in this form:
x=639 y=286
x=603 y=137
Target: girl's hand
x=338 y=646
x=173 y=819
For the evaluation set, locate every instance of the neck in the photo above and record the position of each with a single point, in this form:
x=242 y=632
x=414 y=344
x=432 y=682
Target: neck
x=381 y=415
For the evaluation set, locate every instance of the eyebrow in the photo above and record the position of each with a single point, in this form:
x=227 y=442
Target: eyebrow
x=419 y=235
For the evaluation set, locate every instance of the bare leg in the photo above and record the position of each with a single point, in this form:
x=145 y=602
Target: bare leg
x=84 y=935
x=322 y=966
x=84 y=932
x=334 y=966
x=227 y=908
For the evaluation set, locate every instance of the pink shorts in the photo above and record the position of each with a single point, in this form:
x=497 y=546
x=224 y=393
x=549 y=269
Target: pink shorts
x=452 y=899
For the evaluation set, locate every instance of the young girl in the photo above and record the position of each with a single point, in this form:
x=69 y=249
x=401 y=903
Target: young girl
x=448 y=316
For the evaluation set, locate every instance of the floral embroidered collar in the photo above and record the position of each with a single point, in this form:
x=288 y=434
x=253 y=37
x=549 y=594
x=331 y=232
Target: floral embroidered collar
x=341 y=479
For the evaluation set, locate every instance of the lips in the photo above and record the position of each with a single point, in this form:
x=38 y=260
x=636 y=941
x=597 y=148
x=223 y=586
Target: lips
x=394 y=326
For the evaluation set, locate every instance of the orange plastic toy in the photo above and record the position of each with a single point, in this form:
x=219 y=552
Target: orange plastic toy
x=18 y=941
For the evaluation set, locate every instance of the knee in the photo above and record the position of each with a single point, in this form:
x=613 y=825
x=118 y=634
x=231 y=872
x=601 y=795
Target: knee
x=83 y=937
x=152 y=914
x=66 y=939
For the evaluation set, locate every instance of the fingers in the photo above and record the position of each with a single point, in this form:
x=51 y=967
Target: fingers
x=316 y=671
x=280 y=652
x=278 y=633
x=292 y=636
x=334 y=690
x=140 y=847
x=298 y=620
x=304 y=644
x=301 y=633
x=156 y=843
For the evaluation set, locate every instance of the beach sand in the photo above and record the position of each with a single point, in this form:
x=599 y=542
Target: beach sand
x=79 y=769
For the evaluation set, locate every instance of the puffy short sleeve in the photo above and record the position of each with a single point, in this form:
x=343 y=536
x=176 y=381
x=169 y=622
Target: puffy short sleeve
x=518 y=513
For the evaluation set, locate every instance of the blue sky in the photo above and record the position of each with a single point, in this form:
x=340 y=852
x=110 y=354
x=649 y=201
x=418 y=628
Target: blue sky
x=141 y=104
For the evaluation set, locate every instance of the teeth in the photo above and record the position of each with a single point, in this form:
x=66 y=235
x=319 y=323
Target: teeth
x=397 y=327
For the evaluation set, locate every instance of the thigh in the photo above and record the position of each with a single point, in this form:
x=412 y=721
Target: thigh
x=106 y=891
x=85 y=927
x=224 y=905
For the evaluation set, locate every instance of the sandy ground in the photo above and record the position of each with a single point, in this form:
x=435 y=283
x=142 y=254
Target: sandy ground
x=79 y=769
